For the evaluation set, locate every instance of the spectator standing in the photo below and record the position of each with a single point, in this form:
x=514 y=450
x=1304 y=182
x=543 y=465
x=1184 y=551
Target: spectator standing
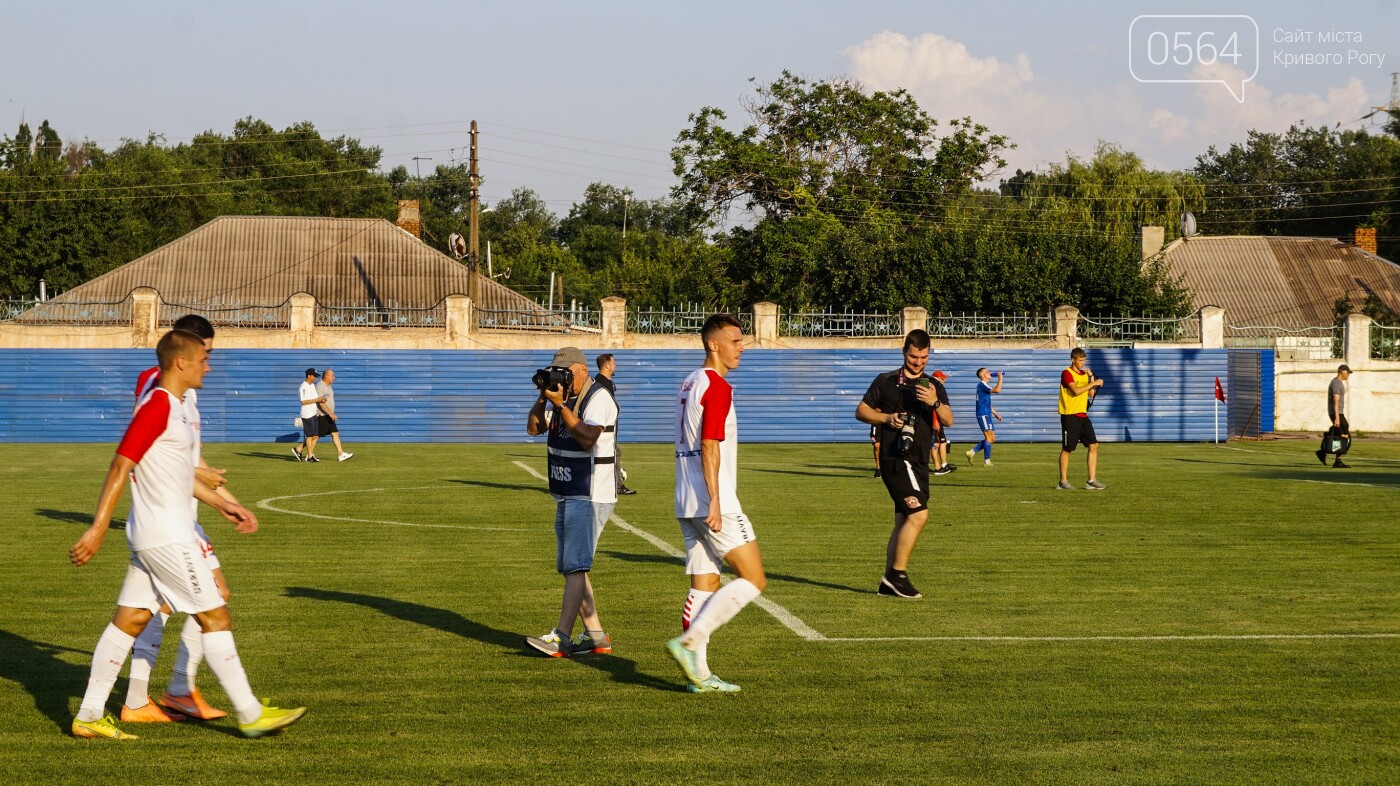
x=607 y=366
x=328 y=420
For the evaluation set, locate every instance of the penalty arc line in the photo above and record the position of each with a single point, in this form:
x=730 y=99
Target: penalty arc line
x=266 y=504
x=787 y=618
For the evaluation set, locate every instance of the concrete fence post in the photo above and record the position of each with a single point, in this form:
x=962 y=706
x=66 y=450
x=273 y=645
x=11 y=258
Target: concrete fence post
x=765 y=324
x=1212 y=327
x=303 y=320
x=1356 y=341
x=613 y=322
x=145 y=317
x=1066 y=327
x=914 y=318
x=458 y=317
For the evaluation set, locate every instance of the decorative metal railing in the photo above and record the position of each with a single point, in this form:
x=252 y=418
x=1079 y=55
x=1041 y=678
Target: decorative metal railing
x=1385 y=342
x=1141 y=329
x=1317 y=342
x=853 y=324
x=689 y=318
x=528 y=318
x=55 y=312
x=385 y=315
x=991 y=325
x=227 y=313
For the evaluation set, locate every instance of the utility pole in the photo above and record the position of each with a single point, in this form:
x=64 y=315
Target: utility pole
x=473 y=229
x=626 y=198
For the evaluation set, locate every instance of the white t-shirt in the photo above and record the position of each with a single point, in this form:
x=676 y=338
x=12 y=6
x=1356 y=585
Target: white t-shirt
x=706 y=411
x=162 y=443
x=308 y=393
x=145 y=383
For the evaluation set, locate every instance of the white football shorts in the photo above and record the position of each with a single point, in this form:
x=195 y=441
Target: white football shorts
x=204 y=546
x=177 y=574
x=705 y=548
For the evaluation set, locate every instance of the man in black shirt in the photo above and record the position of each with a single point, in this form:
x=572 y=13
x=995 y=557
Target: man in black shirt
x=903 y=404
x=607 y=366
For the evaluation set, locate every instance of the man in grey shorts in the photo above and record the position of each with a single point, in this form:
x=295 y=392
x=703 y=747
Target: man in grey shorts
x=582 y=432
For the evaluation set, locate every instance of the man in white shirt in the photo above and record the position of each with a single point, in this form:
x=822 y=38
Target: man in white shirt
x=582 y=460
x=707 y=505
x=310 y=420
x=157 y=452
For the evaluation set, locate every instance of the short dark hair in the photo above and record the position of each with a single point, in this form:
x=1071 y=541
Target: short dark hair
x=979 y=372
x=918 y=339
x=176 y=344
x=195 y=324
x=1077 y=352
x=717 y=323
x=603 y=360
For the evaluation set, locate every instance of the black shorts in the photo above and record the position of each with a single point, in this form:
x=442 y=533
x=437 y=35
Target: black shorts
x=327 y=426
x=907 y=483
x=1075 y=430
x=311 y=426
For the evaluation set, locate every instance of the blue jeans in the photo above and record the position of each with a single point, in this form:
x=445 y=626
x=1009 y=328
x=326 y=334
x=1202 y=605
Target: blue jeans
x=577 y=525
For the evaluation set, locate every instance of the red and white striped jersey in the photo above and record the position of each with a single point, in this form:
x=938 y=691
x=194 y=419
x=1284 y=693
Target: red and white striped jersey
x=162 y=443
x=706 y=411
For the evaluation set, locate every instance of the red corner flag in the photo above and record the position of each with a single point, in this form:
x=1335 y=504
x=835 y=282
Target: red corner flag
x=1219 y=391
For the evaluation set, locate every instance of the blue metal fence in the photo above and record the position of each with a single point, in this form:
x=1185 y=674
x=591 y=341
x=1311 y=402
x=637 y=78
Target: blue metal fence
x=482 y=396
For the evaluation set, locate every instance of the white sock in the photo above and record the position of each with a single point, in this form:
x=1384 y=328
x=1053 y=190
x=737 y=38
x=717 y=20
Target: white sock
x=187 y=661
x=719 y=609
x=108 y=657
x=222 y=656
x=143 y=660
x=693 y=603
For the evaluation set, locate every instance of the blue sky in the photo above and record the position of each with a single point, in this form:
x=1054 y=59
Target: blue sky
x=570 y=93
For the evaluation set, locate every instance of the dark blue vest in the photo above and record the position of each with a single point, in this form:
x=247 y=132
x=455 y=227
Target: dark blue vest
x=570 y=466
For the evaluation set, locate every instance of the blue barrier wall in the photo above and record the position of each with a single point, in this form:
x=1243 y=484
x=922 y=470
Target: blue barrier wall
x=483 y=396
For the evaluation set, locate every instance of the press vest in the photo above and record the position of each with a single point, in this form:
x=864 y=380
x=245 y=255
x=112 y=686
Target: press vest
x=571 y=467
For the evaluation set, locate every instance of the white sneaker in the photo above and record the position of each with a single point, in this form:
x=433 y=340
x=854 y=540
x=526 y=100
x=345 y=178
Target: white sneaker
x=346 y=456
x=987 y=463
x=969 y=455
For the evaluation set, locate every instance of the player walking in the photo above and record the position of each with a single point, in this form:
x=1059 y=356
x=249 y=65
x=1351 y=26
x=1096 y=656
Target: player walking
x=157 y=453
x=985 y=413
x=707 y=505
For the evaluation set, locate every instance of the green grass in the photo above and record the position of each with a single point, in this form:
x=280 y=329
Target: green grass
x=406 y=641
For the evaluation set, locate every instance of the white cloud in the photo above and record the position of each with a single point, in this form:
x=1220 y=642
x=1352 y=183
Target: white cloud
x=1048 y=119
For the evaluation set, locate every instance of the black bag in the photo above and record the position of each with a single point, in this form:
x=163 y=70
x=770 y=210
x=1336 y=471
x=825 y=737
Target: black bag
x=1334 y=443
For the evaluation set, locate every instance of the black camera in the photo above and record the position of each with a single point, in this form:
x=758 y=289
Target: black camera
x=553 y=377
x=906 y=434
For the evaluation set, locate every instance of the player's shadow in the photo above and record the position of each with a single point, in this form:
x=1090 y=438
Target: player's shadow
x=50 y=680
x=72 y=517
x=657 y=558
x=863 y=471
x=801 y=473
x=620 y=669
x=272 y=456
x=502 y=486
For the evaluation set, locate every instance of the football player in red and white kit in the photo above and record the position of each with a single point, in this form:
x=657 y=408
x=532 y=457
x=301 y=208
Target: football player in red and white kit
x=707 y=505
x=182 y=699
x=157 y=453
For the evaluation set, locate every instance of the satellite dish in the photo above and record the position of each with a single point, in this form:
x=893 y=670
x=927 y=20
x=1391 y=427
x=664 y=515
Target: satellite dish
x=1188 y=225
x=457 y=245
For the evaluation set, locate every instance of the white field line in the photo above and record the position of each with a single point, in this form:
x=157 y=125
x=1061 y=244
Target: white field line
x=266 y=504
x=787 y=618
x=1203 y=637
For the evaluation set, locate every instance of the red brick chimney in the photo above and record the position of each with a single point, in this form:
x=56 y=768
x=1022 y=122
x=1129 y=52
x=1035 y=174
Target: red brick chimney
x=409 y=221
x=1366 y=239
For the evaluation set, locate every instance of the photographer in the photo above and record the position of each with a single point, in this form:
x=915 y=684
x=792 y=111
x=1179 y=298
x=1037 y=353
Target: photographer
x=903 y=404
x=582 y=430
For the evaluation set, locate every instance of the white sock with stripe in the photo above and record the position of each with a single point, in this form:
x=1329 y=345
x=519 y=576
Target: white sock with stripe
x=222 y=657
x=143 y=660
x=108 y=657
x=719 y=609
x=693 y=603
x=187 y=661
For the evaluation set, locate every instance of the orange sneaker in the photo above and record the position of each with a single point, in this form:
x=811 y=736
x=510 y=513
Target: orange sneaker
x=149 y=713
x=192 y=705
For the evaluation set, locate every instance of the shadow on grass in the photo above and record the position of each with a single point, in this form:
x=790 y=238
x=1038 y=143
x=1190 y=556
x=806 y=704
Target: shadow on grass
x=272 y=456
x=620 y=669
x=678 y=561
x=72 y=517
x=502 y=486
x=1343 y=477
x=36 y=667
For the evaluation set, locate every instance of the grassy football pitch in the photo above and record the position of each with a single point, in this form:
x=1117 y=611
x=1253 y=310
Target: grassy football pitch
x=1221 y=614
